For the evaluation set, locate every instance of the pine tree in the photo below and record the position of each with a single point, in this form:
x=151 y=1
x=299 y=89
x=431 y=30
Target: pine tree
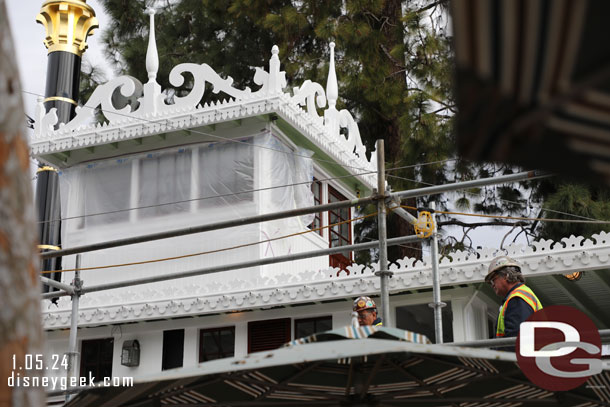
x=394 y=64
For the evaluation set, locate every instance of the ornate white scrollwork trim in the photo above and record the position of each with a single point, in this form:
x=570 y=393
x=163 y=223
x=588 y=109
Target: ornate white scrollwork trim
x=133 y=304
x=134 y=110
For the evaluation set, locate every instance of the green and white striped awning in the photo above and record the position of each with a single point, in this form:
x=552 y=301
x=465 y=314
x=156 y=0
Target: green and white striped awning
x=367 y=331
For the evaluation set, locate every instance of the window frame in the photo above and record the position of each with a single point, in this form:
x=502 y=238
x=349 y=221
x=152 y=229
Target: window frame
x=164 y=362
x=221 y=354
x=339 y=260
x=103 y=368
x=297 y=321
x=134 y=173
x=318 y=216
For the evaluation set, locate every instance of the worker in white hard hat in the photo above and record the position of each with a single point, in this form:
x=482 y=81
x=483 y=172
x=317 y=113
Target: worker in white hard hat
x=518 y=300
x=367 y=311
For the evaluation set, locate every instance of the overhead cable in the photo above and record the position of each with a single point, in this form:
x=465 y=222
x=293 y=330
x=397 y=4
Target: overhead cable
x=500 y=199
x=212 y=251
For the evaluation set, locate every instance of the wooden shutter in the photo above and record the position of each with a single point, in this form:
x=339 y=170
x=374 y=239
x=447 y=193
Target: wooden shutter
x=267 y=335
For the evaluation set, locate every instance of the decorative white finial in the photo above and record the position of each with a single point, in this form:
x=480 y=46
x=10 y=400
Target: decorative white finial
x=332 y=89
x=152 y=57
x=276 y=80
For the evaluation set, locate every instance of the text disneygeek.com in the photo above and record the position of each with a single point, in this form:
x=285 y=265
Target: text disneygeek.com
x=64 y=383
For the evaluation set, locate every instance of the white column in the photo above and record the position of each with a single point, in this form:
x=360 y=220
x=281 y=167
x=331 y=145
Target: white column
x=191 y=345
x=135 y=190
x=194 y=179
x=241 y=339
x=459 y=319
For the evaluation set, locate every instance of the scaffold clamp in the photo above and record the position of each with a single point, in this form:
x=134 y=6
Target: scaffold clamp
x=424 y=226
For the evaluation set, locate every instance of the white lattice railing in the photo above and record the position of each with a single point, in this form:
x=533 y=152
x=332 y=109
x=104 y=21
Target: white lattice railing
x=140 y=303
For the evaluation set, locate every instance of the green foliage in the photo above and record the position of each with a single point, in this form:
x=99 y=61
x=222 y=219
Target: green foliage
x=394 y=65
x=579 y=200
x=394 y=68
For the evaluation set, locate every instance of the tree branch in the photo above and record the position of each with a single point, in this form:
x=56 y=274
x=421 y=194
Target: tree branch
x=429 y=6
x=455 y=222
x=429 y=96
x=394 y=60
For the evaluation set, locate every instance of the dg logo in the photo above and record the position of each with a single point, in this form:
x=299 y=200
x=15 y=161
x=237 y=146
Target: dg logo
x=559 y=348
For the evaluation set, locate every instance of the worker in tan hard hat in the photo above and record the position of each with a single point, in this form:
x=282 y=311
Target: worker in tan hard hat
x=367 y=311
x=518 y=300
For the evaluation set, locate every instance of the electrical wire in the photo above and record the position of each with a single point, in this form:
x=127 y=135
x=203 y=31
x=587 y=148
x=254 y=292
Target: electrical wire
x=281 y=151
x=480 y=215
x=201 y=198
x=211 y=251
x=500 y=199
x=421 y=164
x=221 y=195
x=214 y=196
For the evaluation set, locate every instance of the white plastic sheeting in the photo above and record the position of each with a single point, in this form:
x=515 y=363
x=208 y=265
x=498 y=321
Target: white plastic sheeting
x=180 y=187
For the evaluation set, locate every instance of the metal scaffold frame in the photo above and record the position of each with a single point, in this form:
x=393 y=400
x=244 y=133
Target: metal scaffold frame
x=384 y=200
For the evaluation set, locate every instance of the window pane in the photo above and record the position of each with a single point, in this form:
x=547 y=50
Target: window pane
x=225 y=172
x=304 y=328
x=216 y=343
x=96 y=358
x=316 y=188
x=173 y=349
x=324 y=324
x=339 y=235
x=107 y=187
x=164 y=178
x=420 y=319
x=309 y=326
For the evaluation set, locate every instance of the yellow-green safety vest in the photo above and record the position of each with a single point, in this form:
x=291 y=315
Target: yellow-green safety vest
x=527 y=295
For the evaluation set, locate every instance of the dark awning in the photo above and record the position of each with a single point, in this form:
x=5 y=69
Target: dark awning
x=533 y=84
x=360 y=372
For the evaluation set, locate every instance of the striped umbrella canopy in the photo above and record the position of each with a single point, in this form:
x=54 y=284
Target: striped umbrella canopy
x=533 y=84
x=357 y=372
x=366 y=331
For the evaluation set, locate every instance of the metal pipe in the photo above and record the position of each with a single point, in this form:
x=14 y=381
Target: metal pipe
x=436 y=285
x=67 y=288
x=209 y=227
x=54 y=294
x=236 y=266
x=382 y=231
x=438 y=189
x=73 y=355
x=291 y=213
x=395 y=208
x=501 y=342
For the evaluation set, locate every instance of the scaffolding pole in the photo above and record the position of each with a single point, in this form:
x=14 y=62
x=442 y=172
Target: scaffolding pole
x=73 y=355
x=437 y=305
x=65 y=287
x=382 y=230
x=236 y=266
x=511 y=341
x=522 y=176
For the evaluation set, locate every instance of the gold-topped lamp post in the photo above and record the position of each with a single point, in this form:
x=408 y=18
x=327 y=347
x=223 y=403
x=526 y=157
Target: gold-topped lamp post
x=67 y=25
